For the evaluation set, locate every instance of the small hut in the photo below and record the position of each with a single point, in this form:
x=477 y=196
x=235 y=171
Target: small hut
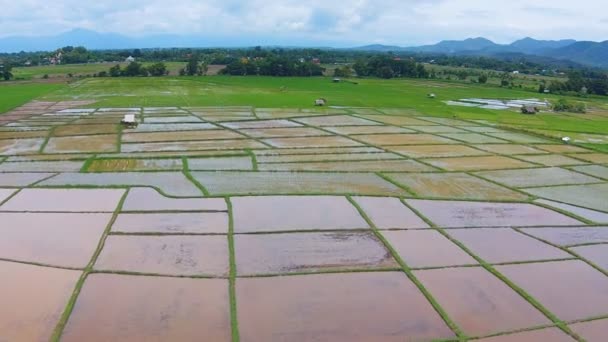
x=320 y=102
x=529 y=110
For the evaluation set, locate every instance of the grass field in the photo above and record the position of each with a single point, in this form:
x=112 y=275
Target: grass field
x=62 y=71
x=13 y=95
x=264 y=92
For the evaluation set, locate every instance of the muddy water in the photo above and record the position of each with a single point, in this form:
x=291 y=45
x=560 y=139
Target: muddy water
x=518 y=137
x=122 y=165
x=594 y=331
x=537 y=177
x=474 y=138
x=427 y=248
x=478 y=163
x=571 y=236
x=20 y=146
x=510 y=149
x=30 y=312
x=403 y=139
x=69 y=130
x=43 y=166
x=496 y=245
x=479 y=302
x=259 y=183
x=352 y=130
x=222 y=163
x=549 y=334
x=180 y=136
x=192 y=146
x=283 y=132
x=337 y=120
x=438 y=129
x=278 y=213
x=6 y=193
x=597 y=254
x=400 y=120
x=167 y=255
x=303 y=142
x=68 y=200
x=455 y=185
x=387 y=213
x=21 y=135
x=552 y=160
x=66 y=240
x=261 y=124
x=309 y=252
x=594 y=170
x=429 y=151
x=146 y=199
x=572 y=290
x=592 y=196
x=130 y=308
x=199 y=223
x=325 y=157
x=562 y=148
x=377 y=306
x=21 y=179
x=355 y=166
x=78 y=144
x=476 y=214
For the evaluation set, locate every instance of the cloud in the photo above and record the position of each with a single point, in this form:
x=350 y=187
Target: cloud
x=345 y=22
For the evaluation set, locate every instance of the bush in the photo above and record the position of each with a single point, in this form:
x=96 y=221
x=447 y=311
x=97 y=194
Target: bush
x=563 y=105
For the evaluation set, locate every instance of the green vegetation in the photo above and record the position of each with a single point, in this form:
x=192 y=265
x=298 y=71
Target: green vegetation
x=563 y=105
x=15 y=94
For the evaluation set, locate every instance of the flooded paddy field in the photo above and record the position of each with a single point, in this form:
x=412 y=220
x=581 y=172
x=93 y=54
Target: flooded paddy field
x=350 y=224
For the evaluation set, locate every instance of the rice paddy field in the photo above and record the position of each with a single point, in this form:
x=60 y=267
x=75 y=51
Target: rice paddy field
x=237 y=211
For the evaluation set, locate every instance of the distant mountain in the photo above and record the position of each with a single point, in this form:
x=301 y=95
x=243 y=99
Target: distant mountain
x=590 y=53
x=570 y=51
x=455 y=46
x=531 y=46
x=587 y=53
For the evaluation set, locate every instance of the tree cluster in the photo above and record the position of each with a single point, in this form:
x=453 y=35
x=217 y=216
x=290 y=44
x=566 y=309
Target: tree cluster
x=272 y=66
x=580 y=83
x=135 y=69
x=388 y=67
x=6 y=71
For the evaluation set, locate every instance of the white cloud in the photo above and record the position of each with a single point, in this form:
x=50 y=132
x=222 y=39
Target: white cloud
x=403 y=22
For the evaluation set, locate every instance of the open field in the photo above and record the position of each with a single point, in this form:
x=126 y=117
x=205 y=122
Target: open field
x=234 y=222
x=15 y=94
x=62 y=71
x=264 y=92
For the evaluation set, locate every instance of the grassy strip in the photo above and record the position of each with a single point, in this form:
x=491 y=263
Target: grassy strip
x=254 y=159
x=46 y=140
x=232 y=278
x=407 y=270
x=551 y=316
x=87 y=164
x=88 y=269
x=186 y=172
x=567 y=250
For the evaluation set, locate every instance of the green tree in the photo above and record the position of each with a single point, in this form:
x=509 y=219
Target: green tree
x=6 y=71
x=135 y=69
x=345 y=71
x=483 y=78
x=157 y=69
x=193 y=67
x=115 y=71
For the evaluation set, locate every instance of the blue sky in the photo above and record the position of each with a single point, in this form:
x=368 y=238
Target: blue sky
x=338 y=23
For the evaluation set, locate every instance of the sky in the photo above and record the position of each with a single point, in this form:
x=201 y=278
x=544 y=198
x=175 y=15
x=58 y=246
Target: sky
x=320 y=22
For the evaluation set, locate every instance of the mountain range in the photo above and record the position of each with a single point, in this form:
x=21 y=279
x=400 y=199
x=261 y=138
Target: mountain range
x=582 y=52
